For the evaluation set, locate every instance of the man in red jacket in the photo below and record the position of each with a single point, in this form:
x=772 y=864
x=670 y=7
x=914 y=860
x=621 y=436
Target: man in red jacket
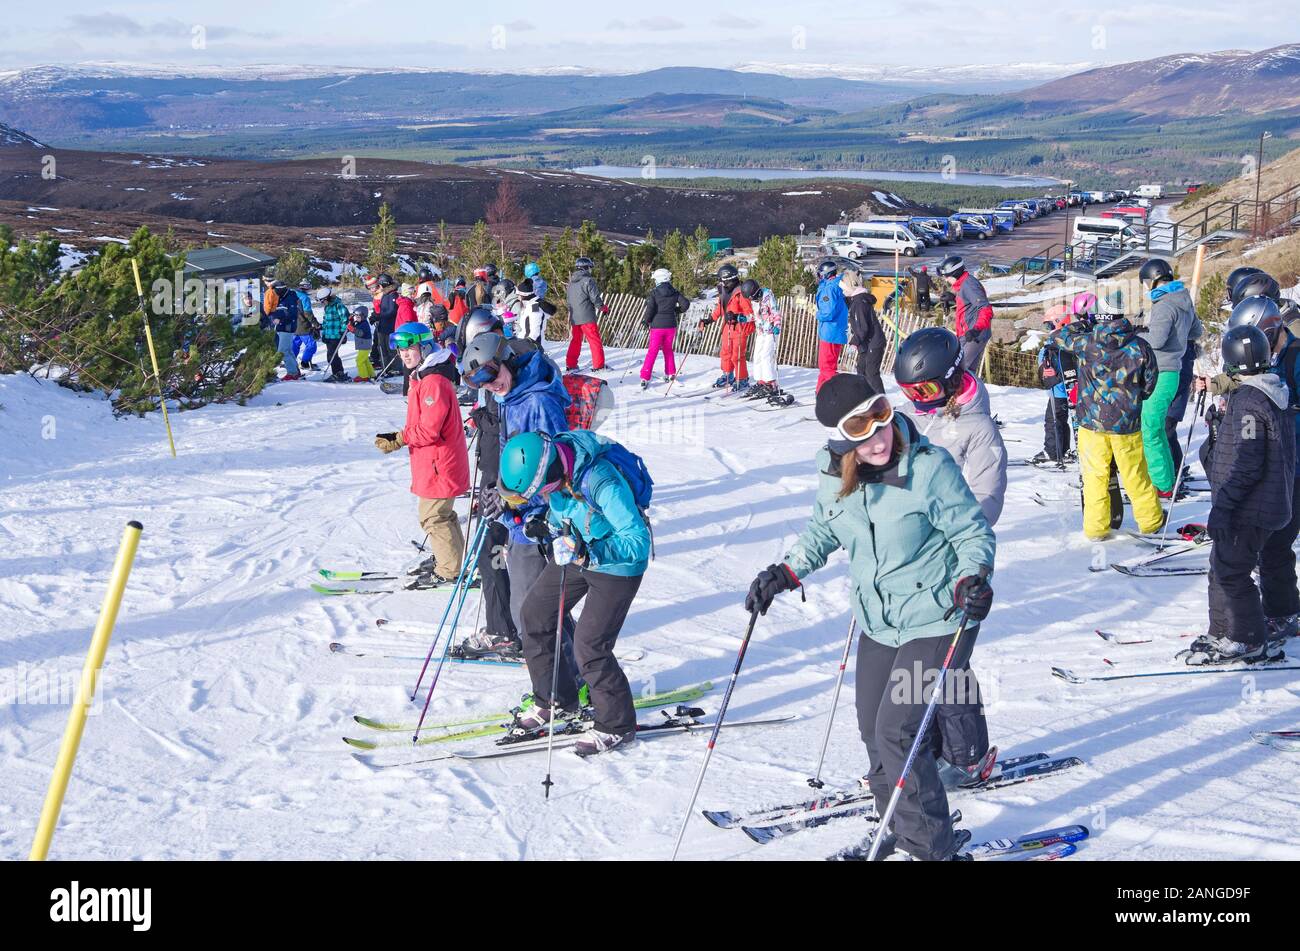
x=974 y=324
x=435 y=436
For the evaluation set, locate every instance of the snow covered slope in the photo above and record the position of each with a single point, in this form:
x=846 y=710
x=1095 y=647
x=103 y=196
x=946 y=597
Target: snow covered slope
x=218 y=728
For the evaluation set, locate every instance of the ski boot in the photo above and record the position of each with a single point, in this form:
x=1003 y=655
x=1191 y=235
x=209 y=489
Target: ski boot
x=724 y=381
x=645 y=384
x=740 y=386
x=594 y=741
x=1211 y=650
x=1040 y=457
x=481 y=643
x=1283 y=628
x=963 y=777
x=423 y=568
x=759 y=391
x=1071 y=456
x=537 y=717
x=670 y=378
x=781 y=398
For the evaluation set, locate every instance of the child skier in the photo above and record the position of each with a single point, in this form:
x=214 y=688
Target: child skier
x=1251 y=466
x=600 y=548
x=1058 y=370
x=435 y=436
x=363 y=341
x=767 y=328
x=664 y=306
x=534 y=311
x=728 y=283
x=1117 y=371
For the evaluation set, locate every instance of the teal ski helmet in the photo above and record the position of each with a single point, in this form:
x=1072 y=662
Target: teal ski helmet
x=411 y=333
x=528 y=463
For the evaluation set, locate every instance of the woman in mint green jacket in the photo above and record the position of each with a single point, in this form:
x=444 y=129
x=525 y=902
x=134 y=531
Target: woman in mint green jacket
x=920 y=551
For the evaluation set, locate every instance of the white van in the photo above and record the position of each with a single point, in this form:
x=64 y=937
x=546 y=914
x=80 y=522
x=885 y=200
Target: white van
x=1112 y=231
x=883 y=236
x=1150 y=191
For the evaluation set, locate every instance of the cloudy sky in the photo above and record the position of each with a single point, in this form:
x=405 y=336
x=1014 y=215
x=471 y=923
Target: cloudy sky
x=600 y=35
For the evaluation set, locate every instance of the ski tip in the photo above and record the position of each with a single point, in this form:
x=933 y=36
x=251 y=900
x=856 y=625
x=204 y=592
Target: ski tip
x=1067 y=675
x=758 y=834
x=337 y=648
x=723 y=819
x=380 y=621
x=360 y=744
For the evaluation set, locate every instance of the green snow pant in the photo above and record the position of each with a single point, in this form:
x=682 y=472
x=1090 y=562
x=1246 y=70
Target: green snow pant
x=1155 y=440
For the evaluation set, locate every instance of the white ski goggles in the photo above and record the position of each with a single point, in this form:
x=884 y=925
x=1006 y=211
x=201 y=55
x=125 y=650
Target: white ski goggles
x=864 y=420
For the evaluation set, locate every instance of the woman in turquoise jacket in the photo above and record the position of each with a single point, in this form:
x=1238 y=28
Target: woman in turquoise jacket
x=920 y=551
x=600 y=547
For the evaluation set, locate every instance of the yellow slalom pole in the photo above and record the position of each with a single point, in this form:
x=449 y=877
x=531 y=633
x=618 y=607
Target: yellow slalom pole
x=85 y=692
x=153 y=356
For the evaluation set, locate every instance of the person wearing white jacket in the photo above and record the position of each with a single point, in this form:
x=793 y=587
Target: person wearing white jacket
x=531 y=313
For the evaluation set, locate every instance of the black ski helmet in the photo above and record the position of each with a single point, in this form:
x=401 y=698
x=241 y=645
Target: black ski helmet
x=1246 y=351
x=827 y=269
x=1258 y=311
x=426 y=274
x=584 y=263
x=952 y=266
x=1154 y=270
x=728 y=275
x=386 y=281
x=931 y=353
x=750 y=289
x=360 y=313
x=1236 y=276
x=1256 y=285
x=491 y=270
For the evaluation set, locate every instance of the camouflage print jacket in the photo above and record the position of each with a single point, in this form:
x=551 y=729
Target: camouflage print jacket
x=1117 y=371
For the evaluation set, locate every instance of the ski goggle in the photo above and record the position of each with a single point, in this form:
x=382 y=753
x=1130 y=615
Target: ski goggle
x=515 y=500
x=486 y=373
x=865 y=419
x=400 y=340
x=924 y=392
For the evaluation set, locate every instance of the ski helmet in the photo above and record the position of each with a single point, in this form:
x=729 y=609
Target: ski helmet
x=529 y=462
x=1258 y=311
x=410 y=334
x=426 y=274
x=750 y=289
x=477 y=321
x=1155 y=270
x=304 y=284
x=584 y=263
x=483 y=358
x=531 y=269
x=661 y=275
x=827 y=269
x=324 y=294
x=1084 y=304
x=928 y=366
x=952 y=266
x=1058 y=315
x=1246 y=351
x=491 y=271
x=1262 y=285
x=370 y=281
x=386 y=281
x=460 y=282
x=360 y=313
x=728 y=275
x=1237 y=275
x=407 y=290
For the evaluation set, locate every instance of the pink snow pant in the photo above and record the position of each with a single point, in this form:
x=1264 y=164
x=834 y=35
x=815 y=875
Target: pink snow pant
x=661 y=338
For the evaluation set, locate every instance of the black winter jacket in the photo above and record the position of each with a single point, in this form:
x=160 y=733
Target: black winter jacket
x=1251 y=463
x=386 y=315
x=663 y=306
x=864 y=326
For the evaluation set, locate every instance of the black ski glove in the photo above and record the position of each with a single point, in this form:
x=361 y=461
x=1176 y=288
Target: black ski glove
x=489 y=503
x=972 y=336
x=770 y=582
x=704 y=322
x=537 y=529
x=974 y=596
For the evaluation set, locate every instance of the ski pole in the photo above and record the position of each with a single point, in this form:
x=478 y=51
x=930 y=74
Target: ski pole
x=713 y=737
x=460 y=578
x=1178 y=479
x=883 y=827
x=682 y=365
x=816 y=781
x=472 y=557
x=555 y=682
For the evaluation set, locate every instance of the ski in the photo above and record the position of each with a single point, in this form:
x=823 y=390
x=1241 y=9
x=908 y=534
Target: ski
x=725 y=819
x=497 y=723
x=628 y=656
x=1286 y=740
x=335 y=592
x=671 y=724
x=1165 y=542
x=330 y=575
x=1013 y=776
x=1161 y=571
x=1041 y=846
x=1071 y=677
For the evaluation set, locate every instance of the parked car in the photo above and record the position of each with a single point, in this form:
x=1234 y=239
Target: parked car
x=948 y=230
x=886 y=236
x=975 y=225
x=1150 y=191
x=1105 y=231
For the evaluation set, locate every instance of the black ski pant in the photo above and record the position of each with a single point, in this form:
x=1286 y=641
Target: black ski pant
x=608 y=599
x=893 y=688
x=525 y=562
x=332 y=355
x=496 y=581
x=1277 y=580
x=1056 y=428
x=1235 y=607
x=960 y=732
x=869 y=359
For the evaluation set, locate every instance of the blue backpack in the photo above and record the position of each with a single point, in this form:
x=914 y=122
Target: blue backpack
x=633 y=469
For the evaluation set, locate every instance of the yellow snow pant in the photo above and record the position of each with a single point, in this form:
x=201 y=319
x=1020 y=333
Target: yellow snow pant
x=1095 y=453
